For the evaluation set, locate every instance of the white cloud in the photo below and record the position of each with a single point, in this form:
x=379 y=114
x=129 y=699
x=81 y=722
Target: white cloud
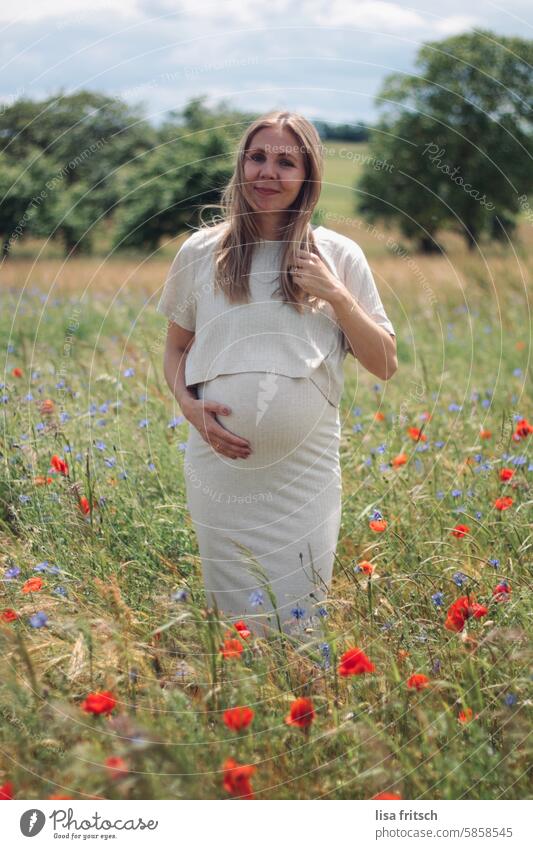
x=28 y=11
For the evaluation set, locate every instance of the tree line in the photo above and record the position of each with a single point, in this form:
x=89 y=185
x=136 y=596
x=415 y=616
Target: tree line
x=455 y=136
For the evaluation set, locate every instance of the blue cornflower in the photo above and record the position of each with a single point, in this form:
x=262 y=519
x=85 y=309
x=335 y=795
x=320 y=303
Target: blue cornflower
x=439 y=444
x=93 y=408
x=123 y=475
x=384 y=467
x=38 y=620
x=454 y=408
x=101 y=422
x=143 y=423
x=457 y=492
x=494 y=562
x=103 y=408
x=100 y=445
x=54 y=570
x=110 y=462
x=439 y=494
x=129 y=372
x=520 y=460
x=39 y=426
x=459 y=578
x=151 y=466
x=28 y=397
x=41 y=567
x=325 y=651
x=437 y=598
x=12 y=572
x=510 y=699
x=79 y=457
x=376 y=515
x=356 y=411
x=60 y=591
x=179 y=595
x=357 y=428
x=376 y=387
x=517 y=372
x=479 y=514
x=256 y=598
x=322 y=612
x=102 y=501
x=177 y=420
x=64 y=417
x=387 y=626
x=436 y=666
x=182 y=446
x=60 y=384
x=24 y=499
x=298 y=612
x=485 y=402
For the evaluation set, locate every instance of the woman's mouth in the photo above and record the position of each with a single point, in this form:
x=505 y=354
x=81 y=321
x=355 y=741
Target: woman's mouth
x=265 y=192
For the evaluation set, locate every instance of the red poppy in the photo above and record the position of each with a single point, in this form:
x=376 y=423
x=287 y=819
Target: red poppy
x=460 y=530
x=379 y=416
x=466 y=715
x=242 y=628
x=117 y=766
x=502 y=592
x=523 y=429
x=302 y=713
x=231 y=648
x=460 y=611
x=99 y=702
x=355 y=662
x=17 y=372
x=59 y=464
x=383 y=796
x=366 y=567
x=416 y=434
x=506 y=474
x=237 y=779
x=503 y=503
x=40 y=480
x=8 y=615
x=399 y=460
x=485 y=434
x=418 y=681
x=238 y=718
x=378 y=525
x=32 y=585
x=6 y=791
x=47 y=406
x=59 y=796
x=84 y=505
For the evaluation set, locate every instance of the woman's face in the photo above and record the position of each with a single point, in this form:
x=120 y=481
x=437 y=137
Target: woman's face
x=274 y=169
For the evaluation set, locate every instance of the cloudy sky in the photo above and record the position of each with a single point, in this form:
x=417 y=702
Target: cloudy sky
x=324 y=58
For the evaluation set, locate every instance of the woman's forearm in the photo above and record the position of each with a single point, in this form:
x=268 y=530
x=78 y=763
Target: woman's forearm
x=174 y=371
x=373 y=346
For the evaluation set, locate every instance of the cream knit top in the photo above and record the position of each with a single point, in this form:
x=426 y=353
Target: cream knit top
x=266 y=334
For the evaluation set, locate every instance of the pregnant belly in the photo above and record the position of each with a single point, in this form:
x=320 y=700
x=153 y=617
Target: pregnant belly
x=276 y=414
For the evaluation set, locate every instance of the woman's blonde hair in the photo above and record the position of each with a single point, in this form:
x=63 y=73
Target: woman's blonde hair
x=240 y=231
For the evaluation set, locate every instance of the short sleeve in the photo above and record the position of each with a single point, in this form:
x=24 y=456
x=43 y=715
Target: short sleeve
x=178 y=301
x=359 y=280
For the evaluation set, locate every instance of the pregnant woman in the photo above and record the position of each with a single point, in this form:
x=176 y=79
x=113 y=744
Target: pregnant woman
x=262 y=310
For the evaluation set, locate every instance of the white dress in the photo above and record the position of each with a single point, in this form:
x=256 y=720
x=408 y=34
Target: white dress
x=267 y=526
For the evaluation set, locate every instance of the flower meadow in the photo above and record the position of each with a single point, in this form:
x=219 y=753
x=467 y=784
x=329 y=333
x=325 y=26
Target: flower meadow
x=118 y=682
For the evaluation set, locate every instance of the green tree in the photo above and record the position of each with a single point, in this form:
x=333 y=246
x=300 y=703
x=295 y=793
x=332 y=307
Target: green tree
x=163 y=191
x=69 y=149
x=458 y=140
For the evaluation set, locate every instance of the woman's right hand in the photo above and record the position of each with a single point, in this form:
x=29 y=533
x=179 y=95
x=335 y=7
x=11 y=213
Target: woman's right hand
x=201 y=414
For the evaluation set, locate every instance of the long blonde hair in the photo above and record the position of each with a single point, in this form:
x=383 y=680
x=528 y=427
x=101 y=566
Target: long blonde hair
x=233 y=253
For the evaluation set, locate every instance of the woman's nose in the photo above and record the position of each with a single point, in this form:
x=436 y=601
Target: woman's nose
x=268 y=169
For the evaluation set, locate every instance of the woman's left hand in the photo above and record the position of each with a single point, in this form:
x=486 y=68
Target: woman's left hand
x=312 y=274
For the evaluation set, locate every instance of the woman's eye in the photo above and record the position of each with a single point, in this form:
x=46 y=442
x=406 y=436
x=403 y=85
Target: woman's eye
x=286 y=162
